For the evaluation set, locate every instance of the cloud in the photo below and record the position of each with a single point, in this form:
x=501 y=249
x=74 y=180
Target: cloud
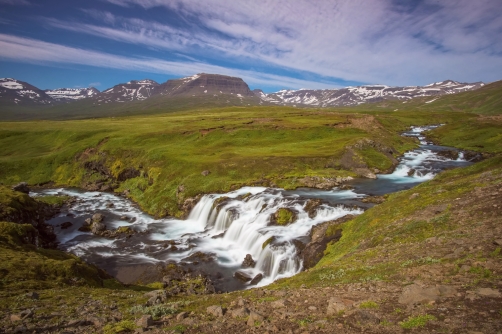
x=378 y=41
x=15 y=2
x=95 y=84
x=16 y=48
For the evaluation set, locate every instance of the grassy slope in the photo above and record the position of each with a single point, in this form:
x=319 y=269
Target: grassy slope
x=238 y=145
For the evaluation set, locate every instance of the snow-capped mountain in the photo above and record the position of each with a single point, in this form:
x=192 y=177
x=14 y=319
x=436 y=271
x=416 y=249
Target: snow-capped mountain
x=350 y=96
x=17 y=92
x=72 y=94
x=135 y=90
x=203 y=84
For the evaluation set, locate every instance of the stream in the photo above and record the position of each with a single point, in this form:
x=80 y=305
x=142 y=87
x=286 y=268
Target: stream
x=237 y=226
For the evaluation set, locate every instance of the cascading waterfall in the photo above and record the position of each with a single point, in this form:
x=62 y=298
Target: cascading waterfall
x=235 y=224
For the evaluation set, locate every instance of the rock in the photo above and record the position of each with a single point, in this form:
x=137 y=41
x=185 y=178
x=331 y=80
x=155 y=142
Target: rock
x=497 y=242
x=447 y=291
x=487 y=292
x=283 y=216
x=337 y=305
x=32 y=295
x=256 y=279
x=65 y=225
x=254 y=317
x=240 y=313
x=26 y=314
x=205 y=173
x=215 y=310
x=311 y=207
x=278 y=303
x=181 y=316
x=241 y=276
x=88 y=221
x=15 y=317
x=128 y=173
x=248 y=262
x=321 y=235
x=21 y=187
x=85 y=228
x=415 y=294
x=414 y=195
x=98 y=218
x=145 y=321
x=20 y=329
x=200 y=257
x=449 y=154
x=366 y=317
x=97 y=228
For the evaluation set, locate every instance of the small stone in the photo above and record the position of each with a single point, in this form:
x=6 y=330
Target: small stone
x=65 y=225
x=487 y=292
x=497 y=242
x=415 y=294
x=32 y=295
x=215 y=310
x=415 y=195
x=26 y=314
x=205 y=173
x=278 y=303
x=88 y=221
x=181 y=316
x=145 y=321
x=254 y=317
x=15 y=317
x=337 y=305
x=240 y=312
x=312 y=308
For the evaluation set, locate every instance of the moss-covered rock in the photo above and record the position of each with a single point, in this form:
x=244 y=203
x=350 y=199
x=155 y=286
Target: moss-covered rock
x=283 y=216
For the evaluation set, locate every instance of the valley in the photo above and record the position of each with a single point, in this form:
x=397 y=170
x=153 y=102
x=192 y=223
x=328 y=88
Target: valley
x=423 y=255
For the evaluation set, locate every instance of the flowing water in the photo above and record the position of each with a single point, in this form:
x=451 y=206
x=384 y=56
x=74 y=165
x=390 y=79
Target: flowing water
x=237 y=225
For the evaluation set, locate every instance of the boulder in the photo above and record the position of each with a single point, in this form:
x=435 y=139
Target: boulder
x=248 y=262
x=240 y=313
x=241 y=276
x=128 y=173
x=366 y=317
x=487 y=292
x=337 y=305
x=283 y=216
x=21 y=187
x=65 y=225
x=254 y=317
x=415 y=294
x=97 y=228
x=311 y=207
x=205 y=173
x=145 y=321
x=256 y=279
x=97 y=218
x=215 y=310
x=32 y=295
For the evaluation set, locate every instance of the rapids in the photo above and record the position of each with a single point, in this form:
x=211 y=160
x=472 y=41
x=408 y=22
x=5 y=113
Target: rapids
x=231 y=227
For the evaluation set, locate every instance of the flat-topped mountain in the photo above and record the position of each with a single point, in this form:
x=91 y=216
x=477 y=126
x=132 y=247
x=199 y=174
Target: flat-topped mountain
x=350 y=96
x=16 y=92
x=202 y=84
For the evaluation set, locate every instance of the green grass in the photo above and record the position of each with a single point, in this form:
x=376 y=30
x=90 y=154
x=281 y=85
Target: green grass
x=418 y=321
x=239 y=146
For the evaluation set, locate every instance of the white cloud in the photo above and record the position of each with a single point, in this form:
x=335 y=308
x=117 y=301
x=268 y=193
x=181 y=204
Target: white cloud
x=15 y=2
x=378 y=41
x=94 y=84
x=16 y=48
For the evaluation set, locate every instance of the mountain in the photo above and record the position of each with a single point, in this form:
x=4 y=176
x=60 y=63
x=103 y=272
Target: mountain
x=15 y=92
x=71 y=94
x=351 y=96
x=135 y=90
x=206 y=84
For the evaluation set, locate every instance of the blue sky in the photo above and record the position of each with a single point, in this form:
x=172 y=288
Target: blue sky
x=271 y=44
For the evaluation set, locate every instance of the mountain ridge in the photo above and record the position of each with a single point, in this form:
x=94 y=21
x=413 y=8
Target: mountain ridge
x=16 y=92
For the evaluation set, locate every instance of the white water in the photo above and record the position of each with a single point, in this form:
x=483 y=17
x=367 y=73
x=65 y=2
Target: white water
x=244 y=217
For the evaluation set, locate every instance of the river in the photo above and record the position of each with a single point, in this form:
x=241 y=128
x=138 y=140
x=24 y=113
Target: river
x=240 y=226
